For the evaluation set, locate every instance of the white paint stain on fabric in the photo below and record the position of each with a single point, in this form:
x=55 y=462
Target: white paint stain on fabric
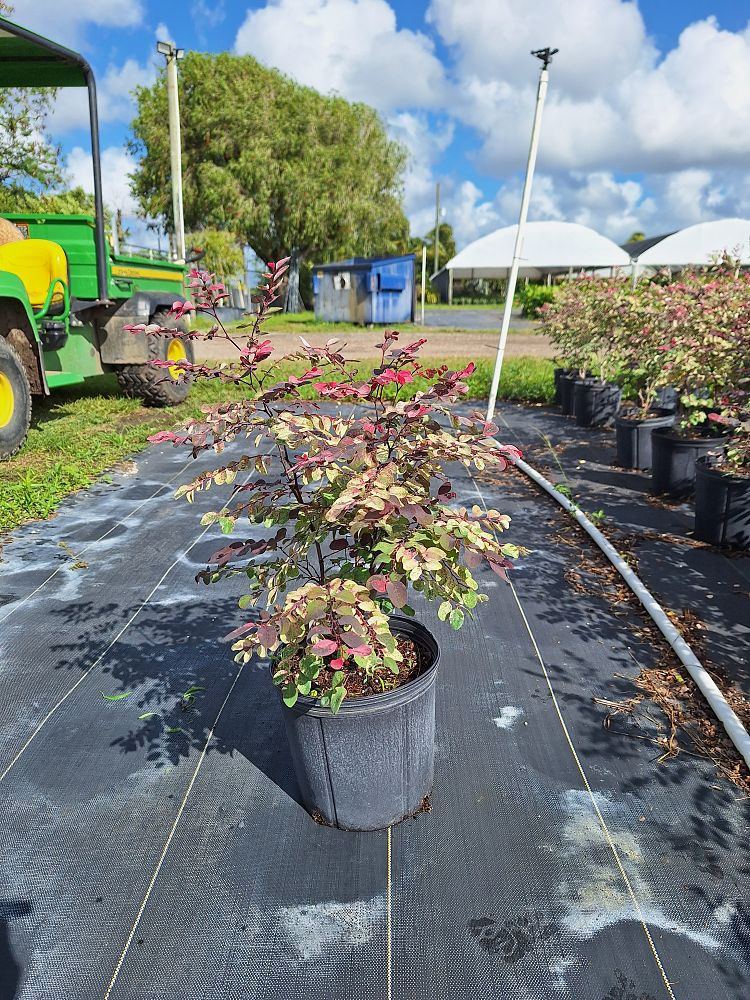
x=313 y=930
x=725 y=913
x=601 y=898
x=509 y=714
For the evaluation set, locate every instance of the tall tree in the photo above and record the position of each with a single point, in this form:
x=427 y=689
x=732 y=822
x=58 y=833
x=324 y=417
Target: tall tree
x=30 y=164
x=287 y=169
x=222 y=254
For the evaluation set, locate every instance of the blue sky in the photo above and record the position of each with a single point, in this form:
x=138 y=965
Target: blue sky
x=647 y=124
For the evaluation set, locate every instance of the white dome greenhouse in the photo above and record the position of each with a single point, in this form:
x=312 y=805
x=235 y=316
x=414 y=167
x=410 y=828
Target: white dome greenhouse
x=549 y=248
x=698 y=244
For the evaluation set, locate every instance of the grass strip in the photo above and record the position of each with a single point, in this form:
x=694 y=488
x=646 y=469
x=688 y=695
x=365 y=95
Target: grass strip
x=80 y=433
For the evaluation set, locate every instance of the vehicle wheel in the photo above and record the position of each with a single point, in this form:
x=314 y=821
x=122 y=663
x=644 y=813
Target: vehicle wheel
x=15 y=401
x=159 y=386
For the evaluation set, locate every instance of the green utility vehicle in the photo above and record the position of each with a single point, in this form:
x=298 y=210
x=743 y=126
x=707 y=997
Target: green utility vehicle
x=65 y=295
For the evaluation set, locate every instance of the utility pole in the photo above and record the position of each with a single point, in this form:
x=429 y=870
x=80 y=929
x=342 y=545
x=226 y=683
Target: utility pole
x=172 y=54
x=437 y=226
x=546 y=57
x=424 y=276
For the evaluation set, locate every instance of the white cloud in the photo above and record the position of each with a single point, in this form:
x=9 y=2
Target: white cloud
x=600 y=41
x=163 y=34
x=68 y=24
x=114 y=97
x=117 y=164
x=614 y=103
x=425 y=142
x=350 y=47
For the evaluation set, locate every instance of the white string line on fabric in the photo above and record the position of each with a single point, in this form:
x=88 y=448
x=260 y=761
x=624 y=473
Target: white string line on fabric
x=584 y=777
x=87 y=672
x=708 y=687
x=16 y=605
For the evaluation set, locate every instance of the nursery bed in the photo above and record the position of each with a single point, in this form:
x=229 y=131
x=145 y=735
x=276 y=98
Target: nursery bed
x=557 y=861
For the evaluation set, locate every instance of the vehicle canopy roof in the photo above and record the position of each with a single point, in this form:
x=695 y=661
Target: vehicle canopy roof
x=29 y=60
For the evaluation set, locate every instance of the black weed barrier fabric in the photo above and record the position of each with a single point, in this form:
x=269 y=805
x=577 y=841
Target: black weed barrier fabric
x=139 y=864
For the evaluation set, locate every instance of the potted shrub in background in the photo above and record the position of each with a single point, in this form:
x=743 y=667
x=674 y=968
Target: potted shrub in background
x=722 y=487
x=567 y=321
x=350 y=503
x=639 y=339
x=596 y=398
x=704 y=320
x=580 y=322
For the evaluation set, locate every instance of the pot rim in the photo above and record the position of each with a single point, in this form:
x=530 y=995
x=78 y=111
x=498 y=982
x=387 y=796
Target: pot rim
x=372 y=704
x=719 y=442
x=703 y=468
x=620 y=418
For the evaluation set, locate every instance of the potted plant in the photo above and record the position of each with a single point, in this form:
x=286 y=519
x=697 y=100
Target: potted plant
x=345 y=484
x=722 y=486
x=580 y=324
x=643 y=411
x=596 y=398
x=566 y=322
x=704 y=322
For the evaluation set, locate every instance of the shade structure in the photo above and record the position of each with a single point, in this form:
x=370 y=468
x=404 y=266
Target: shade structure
x=549 y=248
x=698 y=244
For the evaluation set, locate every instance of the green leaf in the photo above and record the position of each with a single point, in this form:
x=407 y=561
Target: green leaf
x=227 y=525
x=176 y=729
x=337 y=696
x=511 y=551
x=115 y=697
x=444 y=610
x=148 y=715
x=470 y=599
x=457 y=618
x=304 y=687
x=289 y=695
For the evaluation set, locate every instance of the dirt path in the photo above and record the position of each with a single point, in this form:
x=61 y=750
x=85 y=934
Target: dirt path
x=440 y=344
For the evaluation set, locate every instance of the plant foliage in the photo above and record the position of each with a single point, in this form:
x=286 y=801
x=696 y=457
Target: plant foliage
x=352 y=501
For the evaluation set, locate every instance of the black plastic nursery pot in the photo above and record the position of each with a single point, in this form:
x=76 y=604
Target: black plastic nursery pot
x=567 y=385
x=371 y=764
x=634 y=437
x=595 y=402
x=673 y=459
x=667 y=399
x=722 y=506
x=559 y=374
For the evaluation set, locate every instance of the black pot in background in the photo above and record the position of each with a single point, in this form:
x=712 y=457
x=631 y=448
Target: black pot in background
x=559 y=373
x=634 y=438
x=567 y=384
x=371 y=764
x=673 y=459
x=722 y=506
x=594 y=402
x=666 y=399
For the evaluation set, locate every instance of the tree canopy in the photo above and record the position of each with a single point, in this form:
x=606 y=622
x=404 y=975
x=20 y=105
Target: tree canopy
x=30 y=164
x=222 y=254
x=279 y=165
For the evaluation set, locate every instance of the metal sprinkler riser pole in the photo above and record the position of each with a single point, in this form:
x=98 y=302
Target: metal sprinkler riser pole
x=546 y=56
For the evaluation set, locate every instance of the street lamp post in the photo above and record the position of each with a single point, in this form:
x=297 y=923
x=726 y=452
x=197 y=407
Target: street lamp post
x=172 y=54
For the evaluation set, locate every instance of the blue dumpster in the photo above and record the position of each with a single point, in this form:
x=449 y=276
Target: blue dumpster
x=365 y=290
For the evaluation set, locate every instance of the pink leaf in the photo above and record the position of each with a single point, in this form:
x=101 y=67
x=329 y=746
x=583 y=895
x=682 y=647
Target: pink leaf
x=324 y=647
x=377 y=583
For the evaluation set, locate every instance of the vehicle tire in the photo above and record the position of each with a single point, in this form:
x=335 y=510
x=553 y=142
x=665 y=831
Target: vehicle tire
x=15 y=401
x=156 y=386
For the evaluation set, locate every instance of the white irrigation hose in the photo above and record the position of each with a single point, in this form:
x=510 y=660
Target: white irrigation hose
x=716 y=700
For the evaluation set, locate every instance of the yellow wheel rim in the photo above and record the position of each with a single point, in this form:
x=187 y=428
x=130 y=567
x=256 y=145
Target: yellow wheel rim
x=7 y=400
x=175 y=352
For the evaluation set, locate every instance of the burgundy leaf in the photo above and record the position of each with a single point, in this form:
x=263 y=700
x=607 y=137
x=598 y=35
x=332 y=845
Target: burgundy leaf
x=397 y=593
